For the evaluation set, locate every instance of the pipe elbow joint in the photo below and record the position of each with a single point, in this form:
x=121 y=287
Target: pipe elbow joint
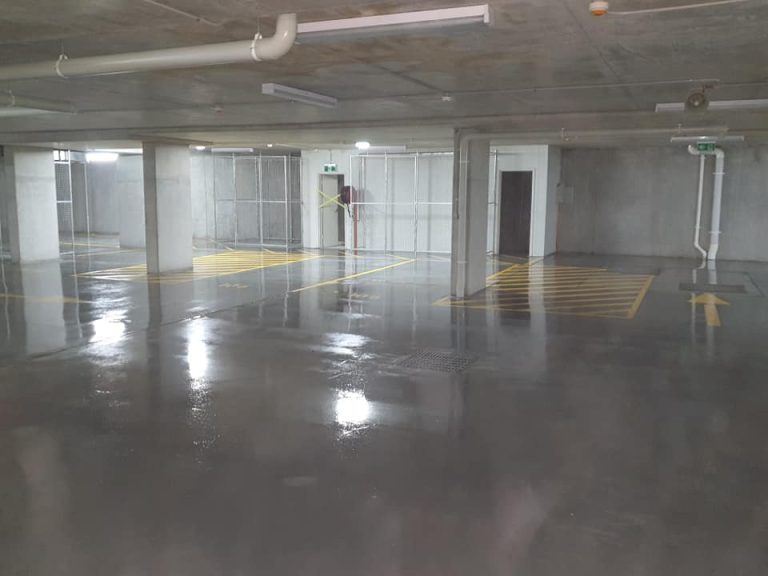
x=280 y=43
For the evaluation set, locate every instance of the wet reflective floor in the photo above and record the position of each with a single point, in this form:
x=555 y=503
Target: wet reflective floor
x=281 y=421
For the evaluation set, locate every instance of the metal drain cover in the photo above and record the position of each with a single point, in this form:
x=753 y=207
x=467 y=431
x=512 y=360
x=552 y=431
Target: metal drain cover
x=449 y=362
x=723 y=288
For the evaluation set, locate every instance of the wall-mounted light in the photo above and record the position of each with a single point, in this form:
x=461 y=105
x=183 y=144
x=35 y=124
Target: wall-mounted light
x=362 y=145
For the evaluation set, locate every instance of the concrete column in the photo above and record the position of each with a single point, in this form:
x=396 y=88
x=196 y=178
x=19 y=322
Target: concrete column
x=30 y=200
x=168 y=208
x=470 y=213
x=130 y=195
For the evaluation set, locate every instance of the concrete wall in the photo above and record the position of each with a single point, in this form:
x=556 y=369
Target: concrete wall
x=103 y=205
x=130 y=195
x=203 y=209
x=643 y=202
x=4 y=248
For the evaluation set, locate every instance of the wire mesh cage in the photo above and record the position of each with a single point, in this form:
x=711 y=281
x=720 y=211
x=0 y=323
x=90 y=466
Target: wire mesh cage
x=257 y=200
x=403 y=202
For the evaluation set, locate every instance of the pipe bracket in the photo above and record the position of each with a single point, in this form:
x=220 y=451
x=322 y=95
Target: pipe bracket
x=256 y=39
x=57 y=66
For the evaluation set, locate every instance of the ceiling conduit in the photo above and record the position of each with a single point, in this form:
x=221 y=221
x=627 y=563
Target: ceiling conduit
x=256 y=50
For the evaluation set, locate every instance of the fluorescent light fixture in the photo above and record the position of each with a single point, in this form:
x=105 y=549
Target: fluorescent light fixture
x=297 y=95
x=706 y=139
x=101 y=157
x=120 y=150
x=199 y=148
x=362 y=145
x=232 y=150
x=404 y=22
x=714 y=105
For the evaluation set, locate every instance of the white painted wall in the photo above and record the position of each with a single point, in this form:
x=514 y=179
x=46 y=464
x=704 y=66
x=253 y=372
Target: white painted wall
x=312 y=169
x=391 y=227
x=544 y=162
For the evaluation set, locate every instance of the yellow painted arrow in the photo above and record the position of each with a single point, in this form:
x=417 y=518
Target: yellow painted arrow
x=710 y=303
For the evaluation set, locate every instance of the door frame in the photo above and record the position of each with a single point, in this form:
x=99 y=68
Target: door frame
x=497 y=209
x=340 y=180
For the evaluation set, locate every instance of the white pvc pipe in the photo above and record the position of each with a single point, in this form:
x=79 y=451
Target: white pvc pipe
x=10 y=100
x=717 y=203
x=699 y=202
x=172 y=58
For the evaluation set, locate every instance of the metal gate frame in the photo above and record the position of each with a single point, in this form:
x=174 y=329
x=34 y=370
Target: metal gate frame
x=287 y=201
x=415 y=203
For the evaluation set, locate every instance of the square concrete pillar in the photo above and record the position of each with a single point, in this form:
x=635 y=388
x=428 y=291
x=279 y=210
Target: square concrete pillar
x=471 y=165
x=130 y=194
x=29 y=190
x=168 y=208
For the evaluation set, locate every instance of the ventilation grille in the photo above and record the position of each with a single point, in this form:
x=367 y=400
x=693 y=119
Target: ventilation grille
x=723 y=288
x=437 y=361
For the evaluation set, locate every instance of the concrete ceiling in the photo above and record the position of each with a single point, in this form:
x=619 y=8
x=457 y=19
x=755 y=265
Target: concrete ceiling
x=546 y=69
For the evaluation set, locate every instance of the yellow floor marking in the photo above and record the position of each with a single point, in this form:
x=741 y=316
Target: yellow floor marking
x=353 y=276
x=570 y=290
x=711 y=313
x=44 y=299
x=209 y=266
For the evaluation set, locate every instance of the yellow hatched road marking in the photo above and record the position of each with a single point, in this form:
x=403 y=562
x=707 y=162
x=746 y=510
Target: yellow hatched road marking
x=210 y=266
x=569 y=290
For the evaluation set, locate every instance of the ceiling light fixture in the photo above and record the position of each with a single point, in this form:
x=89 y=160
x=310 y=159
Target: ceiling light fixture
x=101 y=157
x=297 y=95
x=362 y=145
x=350 y=28
x=199 y=148
x=706 y=139
x=716 y=105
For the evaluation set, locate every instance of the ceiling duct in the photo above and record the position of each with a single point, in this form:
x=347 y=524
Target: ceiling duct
x=171 y=58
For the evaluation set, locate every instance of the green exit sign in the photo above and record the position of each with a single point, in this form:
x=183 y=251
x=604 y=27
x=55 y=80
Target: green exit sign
x=705 y=146
x=330 y=168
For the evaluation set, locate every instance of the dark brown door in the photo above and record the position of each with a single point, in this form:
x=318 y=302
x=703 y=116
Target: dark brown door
x=515 y=213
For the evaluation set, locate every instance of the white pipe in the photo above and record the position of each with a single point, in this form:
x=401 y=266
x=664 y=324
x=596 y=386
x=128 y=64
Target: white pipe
x=717 y=203
x=188 y=57
x=10 y=100
x=699 y=202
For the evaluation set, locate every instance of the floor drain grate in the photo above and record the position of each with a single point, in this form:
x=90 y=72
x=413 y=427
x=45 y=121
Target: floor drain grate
x=439 y=361
x=722 y=288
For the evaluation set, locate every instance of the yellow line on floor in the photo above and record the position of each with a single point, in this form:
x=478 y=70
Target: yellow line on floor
x=44 y=299
x=556 y=290
x=640 y=298
x=353 y=276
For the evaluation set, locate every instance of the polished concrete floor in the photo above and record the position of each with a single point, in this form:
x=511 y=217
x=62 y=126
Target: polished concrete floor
x=264 y=423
